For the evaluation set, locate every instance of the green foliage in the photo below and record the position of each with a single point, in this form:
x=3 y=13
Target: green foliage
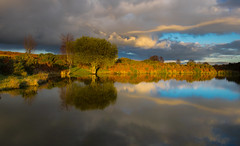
x=6 y=65
x=154 y=58
x=191 y=62
x=10 y=82
x=19 y=69
x=60 y=60
x=28 y=62
x=94 y=51
x=79 y=72
x=228 y=67
x=2 y=77
x=16 y=82
x=48 y=59
x=127 y=66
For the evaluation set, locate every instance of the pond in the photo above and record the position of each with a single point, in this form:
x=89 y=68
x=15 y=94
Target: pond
x=123 y=110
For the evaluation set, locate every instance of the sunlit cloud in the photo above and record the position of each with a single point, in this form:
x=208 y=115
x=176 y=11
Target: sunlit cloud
x=175 y=28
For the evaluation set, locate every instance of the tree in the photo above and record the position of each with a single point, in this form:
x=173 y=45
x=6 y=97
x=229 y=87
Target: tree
x=29 y=44
x=154 y=58
x=65 y=39
x=95 y=52
x=161 y=59
x=66 y=48
x=191 y=62
x=178 y=61
x=205 y=63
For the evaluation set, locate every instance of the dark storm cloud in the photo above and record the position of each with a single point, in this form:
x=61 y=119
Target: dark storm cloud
x=230 y=3
x=113 y=20
x=182 y=51
x=232 y=48
x=232 y=45
x=177 y=51
x=45 y=19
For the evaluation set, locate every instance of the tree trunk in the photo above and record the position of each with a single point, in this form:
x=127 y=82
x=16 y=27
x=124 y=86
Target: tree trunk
x=94 y=69
x=93 y=82
x=97 y=70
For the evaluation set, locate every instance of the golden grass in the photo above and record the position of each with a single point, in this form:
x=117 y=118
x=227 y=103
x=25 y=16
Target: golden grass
x=14 y=82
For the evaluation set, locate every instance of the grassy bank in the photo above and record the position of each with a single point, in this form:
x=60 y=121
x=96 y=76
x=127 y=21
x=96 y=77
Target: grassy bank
x=17 y=82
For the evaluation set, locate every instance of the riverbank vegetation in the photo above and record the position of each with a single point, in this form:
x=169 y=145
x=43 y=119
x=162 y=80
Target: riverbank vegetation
x=228 y=69
x=87 y=56
x=29 y=64
x=17 y=82
x=128 y=66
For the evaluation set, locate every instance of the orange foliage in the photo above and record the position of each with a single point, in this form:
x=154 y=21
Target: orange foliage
x=127 y=66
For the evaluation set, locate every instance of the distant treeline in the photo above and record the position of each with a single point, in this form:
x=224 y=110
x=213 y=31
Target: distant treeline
x=128 y=66
x=228 y=67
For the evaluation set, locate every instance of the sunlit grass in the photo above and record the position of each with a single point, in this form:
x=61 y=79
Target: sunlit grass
x=75 y=72
x=16 y=82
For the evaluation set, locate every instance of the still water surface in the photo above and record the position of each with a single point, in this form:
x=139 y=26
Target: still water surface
x=122 y=112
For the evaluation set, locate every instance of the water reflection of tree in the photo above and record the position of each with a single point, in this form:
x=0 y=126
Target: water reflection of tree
x=230 y=78
x=88 y=95
x=137 y=78
x=29 y=94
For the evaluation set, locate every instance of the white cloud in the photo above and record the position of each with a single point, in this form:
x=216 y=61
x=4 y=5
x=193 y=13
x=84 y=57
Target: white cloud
x=141 y=41
x=145 y=42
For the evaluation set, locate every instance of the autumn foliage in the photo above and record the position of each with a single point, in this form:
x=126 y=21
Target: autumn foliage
x=128 y=66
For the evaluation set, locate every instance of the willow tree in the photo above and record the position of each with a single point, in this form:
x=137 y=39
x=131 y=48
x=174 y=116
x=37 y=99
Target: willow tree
x=94 y=51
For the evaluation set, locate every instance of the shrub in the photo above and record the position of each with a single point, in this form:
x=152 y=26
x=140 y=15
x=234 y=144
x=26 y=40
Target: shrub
x=19 y=69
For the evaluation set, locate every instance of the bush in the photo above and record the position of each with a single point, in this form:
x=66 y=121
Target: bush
x=6 y=65
x=19 y=69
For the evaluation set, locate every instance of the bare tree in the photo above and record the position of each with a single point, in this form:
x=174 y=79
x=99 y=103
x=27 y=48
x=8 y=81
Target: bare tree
x=178 y=61
x=66 y=39
x=29 y=44
x=66 y=48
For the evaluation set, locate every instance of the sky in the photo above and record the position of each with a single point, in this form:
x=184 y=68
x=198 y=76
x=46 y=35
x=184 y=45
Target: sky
x=206 y=30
